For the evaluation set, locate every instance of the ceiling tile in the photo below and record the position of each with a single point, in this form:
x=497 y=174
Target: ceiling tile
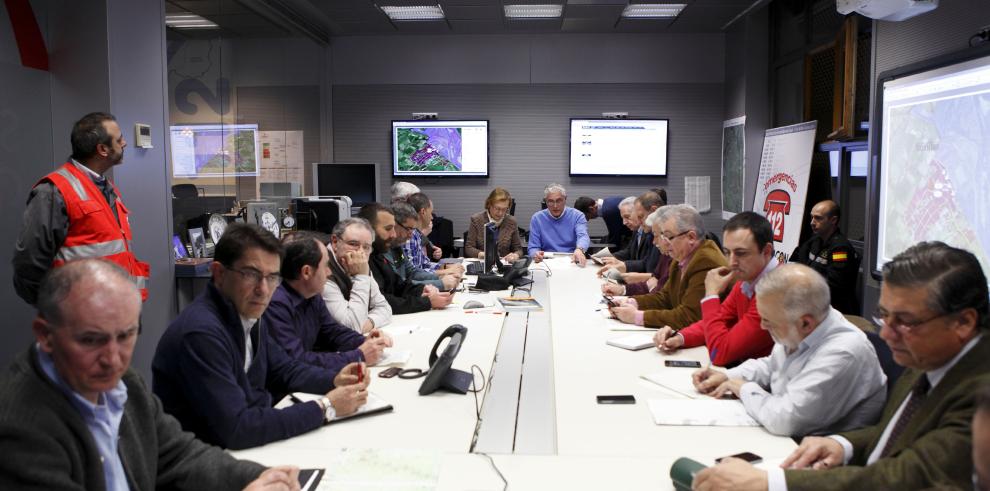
x=588 y=25
x=610 y=12
x=473 y=12
x=476 y=26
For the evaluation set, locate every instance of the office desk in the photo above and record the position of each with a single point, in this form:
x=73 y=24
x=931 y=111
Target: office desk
x=540 y=418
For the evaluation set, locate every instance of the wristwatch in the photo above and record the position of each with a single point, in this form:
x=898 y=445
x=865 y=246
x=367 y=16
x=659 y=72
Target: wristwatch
x=328 y=411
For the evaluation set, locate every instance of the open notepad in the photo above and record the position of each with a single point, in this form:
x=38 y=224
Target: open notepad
x=375 y=405
x=700 y=412
x=634 y=342
x=393 y=358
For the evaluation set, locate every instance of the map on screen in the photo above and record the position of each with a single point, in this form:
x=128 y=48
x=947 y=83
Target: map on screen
x=439 y=148
x=213 y=150
x=429 y=149
x=935 y=155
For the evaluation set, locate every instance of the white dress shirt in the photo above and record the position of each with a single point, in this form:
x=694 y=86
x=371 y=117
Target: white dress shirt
x=786 y=392
x=247 y=324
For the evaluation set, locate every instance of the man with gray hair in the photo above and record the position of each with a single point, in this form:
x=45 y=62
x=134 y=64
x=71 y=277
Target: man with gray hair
x=402 y=189
x=350 y=292
x=559 y=228
x=678 y=303
x=74 y=416
x=823 y=375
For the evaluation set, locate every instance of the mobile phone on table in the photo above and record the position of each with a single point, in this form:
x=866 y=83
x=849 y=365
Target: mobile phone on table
x=620 y=399
x=750 y=457
x=390 y=372
x=610 y=301
x=682 y=363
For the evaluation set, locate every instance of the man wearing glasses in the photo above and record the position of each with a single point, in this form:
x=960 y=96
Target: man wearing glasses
x=933 y=313
x=678 y=303
x=559 y=228
x=351 y=293
x=731 y=329
x=216 y=368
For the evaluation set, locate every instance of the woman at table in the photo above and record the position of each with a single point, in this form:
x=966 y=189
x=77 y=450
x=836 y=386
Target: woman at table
x=506 y=230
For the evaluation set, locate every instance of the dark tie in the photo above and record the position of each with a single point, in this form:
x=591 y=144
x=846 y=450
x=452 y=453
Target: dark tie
x=918 y=394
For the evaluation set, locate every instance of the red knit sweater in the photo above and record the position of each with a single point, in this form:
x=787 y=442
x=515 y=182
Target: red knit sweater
x=731 y=330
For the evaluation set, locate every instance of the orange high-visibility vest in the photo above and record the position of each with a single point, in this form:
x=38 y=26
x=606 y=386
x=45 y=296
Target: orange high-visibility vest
x=93 y=230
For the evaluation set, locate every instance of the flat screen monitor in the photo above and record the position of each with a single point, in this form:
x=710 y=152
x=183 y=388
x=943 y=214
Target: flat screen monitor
x=318 y=213
x=619 y=147
x=440 y=148
x=214 y=150
x=931 y=152
x=357 y=181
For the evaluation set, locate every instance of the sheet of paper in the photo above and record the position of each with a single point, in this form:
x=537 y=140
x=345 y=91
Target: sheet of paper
x=680 y=383
x=633 y=341
x=700 y=412
x=697 y=192
x=394 y=358
x=374 y=402
x=367 y=469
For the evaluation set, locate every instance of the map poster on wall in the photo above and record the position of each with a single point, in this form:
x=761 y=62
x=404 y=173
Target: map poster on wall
x=281 y=156
x=733 y=166
x=783 y=182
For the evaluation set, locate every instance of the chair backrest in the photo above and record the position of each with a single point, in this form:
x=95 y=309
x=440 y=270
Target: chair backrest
x=890 y=368
x=184 y=191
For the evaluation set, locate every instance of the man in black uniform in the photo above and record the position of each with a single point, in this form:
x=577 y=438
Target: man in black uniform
x=831 y=254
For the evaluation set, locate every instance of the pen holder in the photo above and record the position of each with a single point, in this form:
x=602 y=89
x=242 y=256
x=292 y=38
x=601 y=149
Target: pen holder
x=682 y=473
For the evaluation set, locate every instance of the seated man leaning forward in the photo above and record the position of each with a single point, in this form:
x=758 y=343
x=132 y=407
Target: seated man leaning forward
x=74 y=416
x=351 y=294
x=731 y=329
x=298 y=320
x=823 y=375
x=933 y=313
x=678 y=303
x=216 y=367
x=559 y=228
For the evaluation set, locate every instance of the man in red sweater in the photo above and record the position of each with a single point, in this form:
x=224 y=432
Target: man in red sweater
x=731 y=329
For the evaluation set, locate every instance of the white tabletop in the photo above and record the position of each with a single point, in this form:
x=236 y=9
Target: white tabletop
x=562 y=371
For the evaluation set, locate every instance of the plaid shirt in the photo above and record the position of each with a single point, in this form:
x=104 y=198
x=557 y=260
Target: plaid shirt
x=415 y=252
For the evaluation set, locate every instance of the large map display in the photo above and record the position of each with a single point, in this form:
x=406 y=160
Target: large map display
x=935 y=156
x=214 y=150
x=429 y=149
x=439 y=148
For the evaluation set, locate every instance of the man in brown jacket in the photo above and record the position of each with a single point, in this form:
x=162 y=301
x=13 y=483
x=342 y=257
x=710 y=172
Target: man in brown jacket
x=678 y=303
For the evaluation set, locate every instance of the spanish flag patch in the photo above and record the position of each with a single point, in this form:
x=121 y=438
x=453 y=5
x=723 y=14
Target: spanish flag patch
x=840 y=256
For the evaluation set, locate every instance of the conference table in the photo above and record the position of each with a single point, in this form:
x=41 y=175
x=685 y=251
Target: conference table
x=535 y=421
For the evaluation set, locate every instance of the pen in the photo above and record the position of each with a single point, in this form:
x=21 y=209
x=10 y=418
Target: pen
x=360 y=374
x=294 y=399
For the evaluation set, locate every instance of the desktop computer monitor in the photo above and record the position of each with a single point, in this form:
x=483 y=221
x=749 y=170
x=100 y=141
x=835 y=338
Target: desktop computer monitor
x=320 y=213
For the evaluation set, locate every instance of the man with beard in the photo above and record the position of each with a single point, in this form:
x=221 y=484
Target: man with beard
x=75 y=211
x=404 y=296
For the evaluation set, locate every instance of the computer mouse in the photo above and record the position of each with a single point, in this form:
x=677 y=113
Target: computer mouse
x=473 y=304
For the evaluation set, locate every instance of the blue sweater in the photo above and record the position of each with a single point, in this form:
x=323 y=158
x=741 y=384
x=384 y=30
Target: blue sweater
x=199 y=375
x=563 y=234
x=307 y=332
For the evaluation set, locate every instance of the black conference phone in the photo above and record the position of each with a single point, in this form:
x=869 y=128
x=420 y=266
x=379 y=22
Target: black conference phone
x=441 y=376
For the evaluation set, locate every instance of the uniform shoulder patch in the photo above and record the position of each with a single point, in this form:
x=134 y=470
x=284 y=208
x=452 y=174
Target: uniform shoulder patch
x=840 y=256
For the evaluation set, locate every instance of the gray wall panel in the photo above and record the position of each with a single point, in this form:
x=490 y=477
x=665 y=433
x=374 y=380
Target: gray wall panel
x=522 y=59
x=529 y=137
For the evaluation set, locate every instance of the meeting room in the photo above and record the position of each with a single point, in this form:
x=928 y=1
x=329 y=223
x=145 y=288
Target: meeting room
x=495 y=244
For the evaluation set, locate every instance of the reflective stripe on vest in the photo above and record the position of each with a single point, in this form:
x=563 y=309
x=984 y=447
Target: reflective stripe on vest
x=101 y=249
x=74 y=182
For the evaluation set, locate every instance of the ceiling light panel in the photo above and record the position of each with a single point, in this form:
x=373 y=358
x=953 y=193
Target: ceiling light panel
x=416 y=12
x=653 y=10
x=545 y=11
x=188 y=21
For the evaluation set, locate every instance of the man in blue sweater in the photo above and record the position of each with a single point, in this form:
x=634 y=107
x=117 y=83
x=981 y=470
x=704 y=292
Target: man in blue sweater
x=216 y=367
x=298 y=318
x=559 y=228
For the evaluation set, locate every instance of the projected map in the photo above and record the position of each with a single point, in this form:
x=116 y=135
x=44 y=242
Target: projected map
x=214 y=150
x=429 y=149
x=936 y=156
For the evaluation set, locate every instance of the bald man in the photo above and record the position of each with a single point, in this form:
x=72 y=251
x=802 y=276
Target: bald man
x=829 y=253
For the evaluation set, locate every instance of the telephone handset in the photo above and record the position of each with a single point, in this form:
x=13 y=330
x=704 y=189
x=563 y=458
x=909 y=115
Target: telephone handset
x=440 y=374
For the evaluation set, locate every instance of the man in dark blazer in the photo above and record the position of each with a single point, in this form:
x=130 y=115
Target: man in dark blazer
x=608 y=210
x=403 y=296
x=933 y=313
x=640 y=256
